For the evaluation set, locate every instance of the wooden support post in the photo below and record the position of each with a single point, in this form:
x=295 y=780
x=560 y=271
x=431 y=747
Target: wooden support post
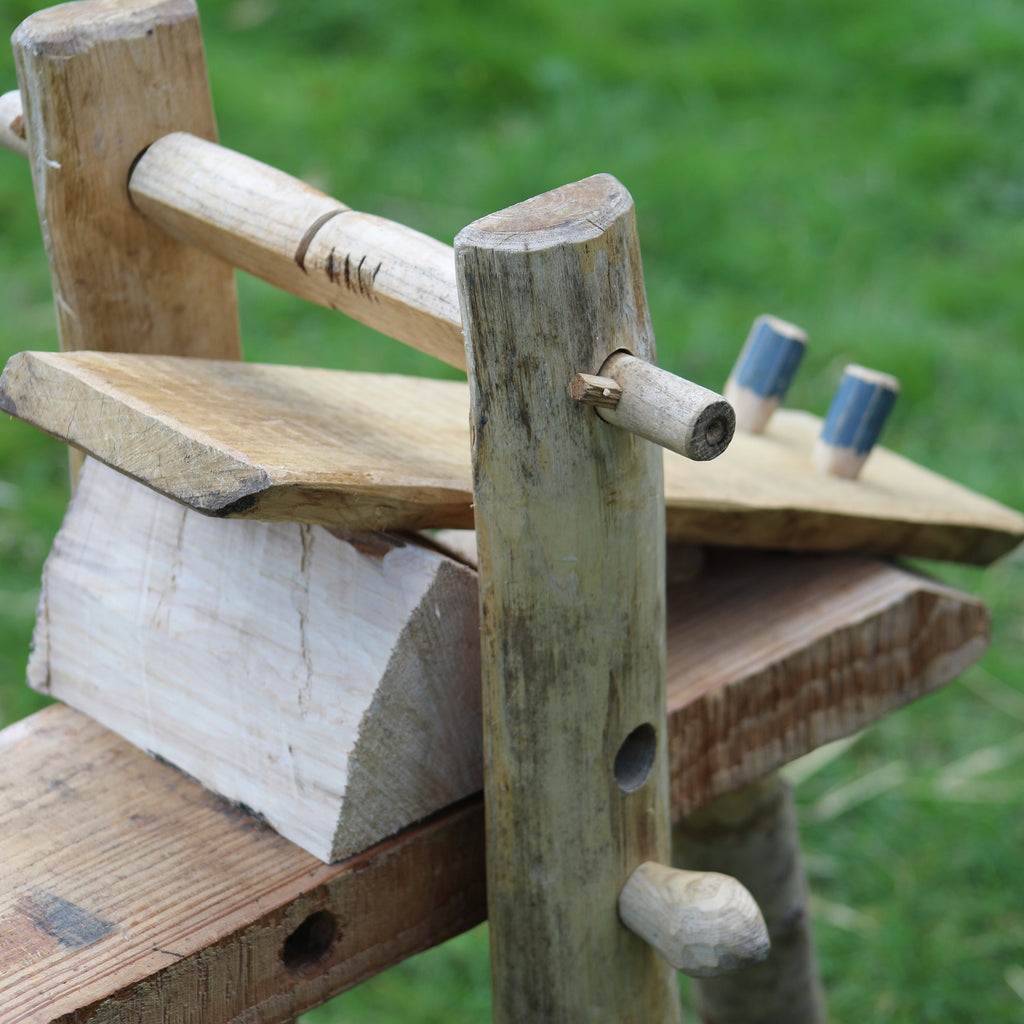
x=752 y=835
x=570 y=529
x=101 y=80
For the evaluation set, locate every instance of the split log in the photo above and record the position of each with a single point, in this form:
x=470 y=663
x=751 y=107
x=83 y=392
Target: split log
x=331 y=685
x=365 y=451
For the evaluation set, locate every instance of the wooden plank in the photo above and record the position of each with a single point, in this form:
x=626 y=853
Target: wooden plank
x=771 y=656
x=311 y=677
x=129 y=893
x=572 y=612
x=199 y=897
x=383 y=452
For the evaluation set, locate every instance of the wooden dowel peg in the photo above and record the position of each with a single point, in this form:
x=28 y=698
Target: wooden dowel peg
x=12 y=125
x=854 y=422
x=666 y=409
x=702 y=922
x=764 y=371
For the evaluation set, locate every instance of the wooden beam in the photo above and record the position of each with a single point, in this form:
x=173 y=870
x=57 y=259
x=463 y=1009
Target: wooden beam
x=572 y=612
x=169 y=896
x=129 y=892
x=365 y=451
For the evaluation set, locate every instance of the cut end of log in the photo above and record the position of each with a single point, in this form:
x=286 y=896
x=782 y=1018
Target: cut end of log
x=568 y=215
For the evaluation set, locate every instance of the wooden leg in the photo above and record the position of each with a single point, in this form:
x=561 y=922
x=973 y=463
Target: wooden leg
x=752 y=835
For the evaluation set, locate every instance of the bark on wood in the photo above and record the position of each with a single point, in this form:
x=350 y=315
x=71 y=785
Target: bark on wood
x=752 y=835
x=100 y=80
x=331 y=685
x=373 y=452
x=570 y=521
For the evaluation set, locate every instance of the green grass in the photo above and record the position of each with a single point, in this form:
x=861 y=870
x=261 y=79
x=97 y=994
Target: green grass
x=854 y=167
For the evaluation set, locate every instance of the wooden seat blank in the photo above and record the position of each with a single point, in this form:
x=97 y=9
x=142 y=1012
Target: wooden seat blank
x=365 y=451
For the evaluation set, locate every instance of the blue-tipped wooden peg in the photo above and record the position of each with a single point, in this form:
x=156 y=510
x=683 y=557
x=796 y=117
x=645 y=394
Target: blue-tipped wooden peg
x=765 y=369
x=854 y=422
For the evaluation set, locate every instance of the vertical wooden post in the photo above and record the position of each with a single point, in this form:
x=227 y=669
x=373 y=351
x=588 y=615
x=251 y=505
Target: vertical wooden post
x=570 y=531
x=752 y=834
x=100 y=81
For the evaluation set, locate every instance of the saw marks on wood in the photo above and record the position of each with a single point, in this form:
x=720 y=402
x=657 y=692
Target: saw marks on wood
x=366 y=451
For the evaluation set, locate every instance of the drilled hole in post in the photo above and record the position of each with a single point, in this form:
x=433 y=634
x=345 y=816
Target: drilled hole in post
x=635 y=759
x=310 y=943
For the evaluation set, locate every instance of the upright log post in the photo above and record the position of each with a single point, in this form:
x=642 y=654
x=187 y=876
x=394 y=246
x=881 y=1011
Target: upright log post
x=752 y=834
x=101 y=80
x=570 y=530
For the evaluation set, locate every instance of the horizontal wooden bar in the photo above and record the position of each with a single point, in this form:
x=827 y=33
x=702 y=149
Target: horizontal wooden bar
x=365 y=451
x=128 y=891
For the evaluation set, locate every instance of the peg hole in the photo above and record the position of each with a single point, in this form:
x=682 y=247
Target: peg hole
x=309 y=944
x=635 y=759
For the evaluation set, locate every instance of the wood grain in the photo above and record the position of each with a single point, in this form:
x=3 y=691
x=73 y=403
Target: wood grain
x=129 y=893
x=330 y=684
x=771 y=656
x=572 y=612
x=199 y=897
x=273 y=226
x=100 y=80
x=385 y=452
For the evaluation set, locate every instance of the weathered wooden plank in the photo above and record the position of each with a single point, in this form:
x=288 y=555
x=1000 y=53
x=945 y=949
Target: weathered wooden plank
x=332 y=685
x=129 y=893
x=771 y=656
x=382 y=452
x=201 y=897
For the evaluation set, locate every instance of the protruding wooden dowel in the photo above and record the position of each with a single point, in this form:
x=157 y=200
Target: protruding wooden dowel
x=703 y=923
x=280 y=229
x=12 y=124
x=666 y=409
x=589 y=389
x=854 y=422
x=764 y=371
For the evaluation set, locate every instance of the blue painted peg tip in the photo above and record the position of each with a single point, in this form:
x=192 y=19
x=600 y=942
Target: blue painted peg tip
x=764 y=371
x=854 y=421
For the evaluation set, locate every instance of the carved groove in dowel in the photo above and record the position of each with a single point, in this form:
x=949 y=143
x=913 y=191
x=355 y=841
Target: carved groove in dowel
x=702 y=922
x=668 y=410
x=287 y=233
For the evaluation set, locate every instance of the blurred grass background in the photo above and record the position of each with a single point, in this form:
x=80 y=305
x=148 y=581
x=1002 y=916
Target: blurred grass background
x=855 y=167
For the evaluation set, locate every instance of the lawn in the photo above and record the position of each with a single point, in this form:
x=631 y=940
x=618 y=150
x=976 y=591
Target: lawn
x=853 y=167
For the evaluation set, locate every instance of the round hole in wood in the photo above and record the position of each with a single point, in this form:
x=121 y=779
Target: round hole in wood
x=635 y=759
x=310 y=943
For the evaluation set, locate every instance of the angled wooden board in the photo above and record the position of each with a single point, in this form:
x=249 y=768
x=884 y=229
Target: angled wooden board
x=365 y=451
